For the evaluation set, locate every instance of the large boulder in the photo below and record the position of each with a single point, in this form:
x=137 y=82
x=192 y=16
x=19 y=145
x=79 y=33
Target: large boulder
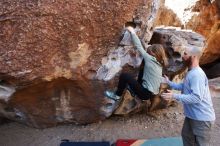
x=175 y=41
x=58 y=57
x=207 y=23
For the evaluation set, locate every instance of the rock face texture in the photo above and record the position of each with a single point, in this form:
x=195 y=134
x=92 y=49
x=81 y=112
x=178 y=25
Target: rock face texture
x=207 y=23
x=167 y=17
x=54 y=63
x=46 y=40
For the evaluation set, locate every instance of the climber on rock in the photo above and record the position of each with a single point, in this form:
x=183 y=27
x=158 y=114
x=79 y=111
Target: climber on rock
x=148 y=84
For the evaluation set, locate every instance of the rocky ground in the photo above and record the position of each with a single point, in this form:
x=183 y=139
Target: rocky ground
x=167 y=123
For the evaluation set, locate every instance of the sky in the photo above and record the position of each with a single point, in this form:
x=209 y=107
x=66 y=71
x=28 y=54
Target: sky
x=178 y=7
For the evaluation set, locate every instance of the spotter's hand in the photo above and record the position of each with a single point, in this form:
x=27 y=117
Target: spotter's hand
x=167 y=95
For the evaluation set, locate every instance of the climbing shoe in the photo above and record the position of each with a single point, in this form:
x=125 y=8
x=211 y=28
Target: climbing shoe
x=112 y=95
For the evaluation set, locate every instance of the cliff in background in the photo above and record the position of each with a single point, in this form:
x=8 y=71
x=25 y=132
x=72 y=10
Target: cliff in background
x=207 y=23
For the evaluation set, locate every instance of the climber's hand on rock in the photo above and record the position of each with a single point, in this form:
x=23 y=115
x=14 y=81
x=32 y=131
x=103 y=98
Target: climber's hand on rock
x=130 y=29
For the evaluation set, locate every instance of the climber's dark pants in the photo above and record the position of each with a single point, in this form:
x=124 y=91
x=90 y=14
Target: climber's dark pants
x=126 y=79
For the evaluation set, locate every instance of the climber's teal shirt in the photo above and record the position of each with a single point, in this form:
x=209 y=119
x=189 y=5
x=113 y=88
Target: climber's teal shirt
x=152 y=70
x=195 y=95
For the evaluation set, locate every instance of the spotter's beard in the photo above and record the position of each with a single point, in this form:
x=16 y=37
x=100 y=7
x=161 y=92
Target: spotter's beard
x=188 y=62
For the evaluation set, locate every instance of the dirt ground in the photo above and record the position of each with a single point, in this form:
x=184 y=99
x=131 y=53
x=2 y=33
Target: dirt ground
x=139 y=126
